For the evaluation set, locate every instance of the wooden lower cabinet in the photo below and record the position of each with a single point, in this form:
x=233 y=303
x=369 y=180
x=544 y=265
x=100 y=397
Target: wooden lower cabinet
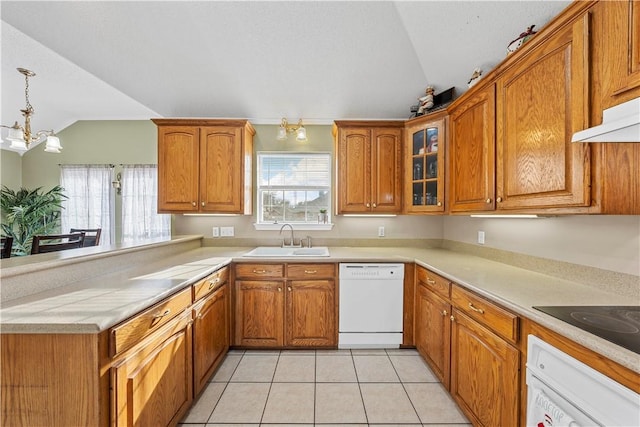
x=433 y=332
x=210 y=335
x=259 y=313
x=310 y=313
x=296 y=310
x=152 y=382
x=484 y=373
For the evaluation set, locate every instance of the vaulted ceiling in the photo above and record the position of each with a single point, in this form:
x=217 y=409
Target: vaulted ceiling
x=262 y=60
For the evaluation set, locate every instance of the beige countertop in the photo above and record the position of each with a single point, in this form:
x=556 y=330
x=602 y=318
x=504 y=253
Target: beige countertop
x=96 y=304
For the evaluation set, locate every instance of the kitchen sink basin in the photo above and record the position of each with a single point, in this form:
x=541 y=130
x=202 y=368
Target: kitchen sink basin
x=275 y=251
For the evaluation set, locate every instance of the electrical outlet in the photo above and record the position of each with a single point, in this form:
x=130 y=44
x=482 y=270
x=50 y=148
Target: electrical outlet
x=226 y=231
x=481 y=237
x=381 y=231
x=216 y=231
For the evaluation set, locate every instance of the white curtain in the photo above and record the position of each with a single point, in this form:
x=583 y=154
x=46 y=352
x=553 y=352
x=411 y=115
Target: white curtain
x=140 y=218
x=90 y=202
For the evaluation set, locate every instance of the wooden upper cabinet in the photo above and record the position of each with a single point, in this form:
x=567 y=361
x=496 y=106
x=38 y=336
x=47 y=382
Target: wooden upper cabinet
x=472 y=152
x=542 y=99
x=178 y=154
x=425 y=149
x=616 y=60
x=221 y=182
x=204 y=165
x=369 y=164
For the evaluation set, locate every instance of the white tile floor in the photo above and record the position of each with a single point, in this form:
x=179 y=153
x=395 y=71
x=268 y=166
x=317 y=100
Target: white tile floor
x=324 y=387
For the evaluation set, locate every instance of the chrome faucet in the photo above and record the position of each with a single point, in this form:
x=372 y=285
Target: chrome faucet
x=292 y=242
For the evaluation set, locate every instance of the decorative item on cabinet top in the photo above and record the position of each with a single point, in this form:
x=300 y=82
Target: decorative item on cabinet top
x=439 y=101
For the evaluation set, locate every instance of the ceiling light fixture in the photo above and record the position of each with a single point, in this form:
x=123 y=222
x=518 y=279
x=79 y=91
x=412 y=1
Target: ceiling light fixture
x=21 y=137
x=285 y=128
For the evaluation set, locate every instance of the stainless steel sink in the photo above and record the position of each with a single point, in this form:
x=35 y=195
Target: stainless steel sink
x=275 y=251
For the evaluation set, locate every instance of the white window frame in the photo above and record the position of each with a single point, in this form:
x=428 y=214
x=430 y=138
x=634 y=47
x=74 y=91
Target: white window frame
x=261 y=188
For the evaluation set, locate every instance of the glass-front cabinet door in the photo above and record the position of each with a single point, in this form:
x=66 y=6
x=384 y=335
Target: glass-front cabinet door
x=424 y=162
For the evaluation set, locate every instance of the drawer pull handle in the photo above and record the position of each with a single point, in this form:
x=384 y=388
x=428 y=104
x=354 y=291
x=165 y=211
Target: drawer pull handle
x=311 y=271
x=259 y=271
x=444 y=312
x=160 y=316
x=431 y=281
x=479 y=310
x=213 y=283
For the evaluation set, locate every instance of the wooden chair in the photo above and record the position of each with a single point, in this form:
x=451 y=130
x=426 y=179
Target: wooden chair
x=7 y=245
x=91 y=235
x=61 y=242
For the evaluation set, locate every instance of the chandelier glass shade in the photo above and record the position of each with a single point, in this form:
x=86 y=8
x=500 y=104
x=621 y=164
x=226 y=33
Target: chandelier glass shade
x=299 y=130
x=21 y=136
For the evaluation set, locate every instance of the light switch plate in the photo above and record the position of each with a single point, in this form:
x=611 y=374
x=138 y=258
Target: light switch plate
x=481 y=237
x=381 y=231
x=216 y=232
x=227 y=231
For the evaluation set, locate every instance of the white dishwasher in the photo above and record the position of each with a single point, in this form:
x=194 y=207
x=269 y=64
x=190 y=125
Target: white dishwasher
x=371 y=304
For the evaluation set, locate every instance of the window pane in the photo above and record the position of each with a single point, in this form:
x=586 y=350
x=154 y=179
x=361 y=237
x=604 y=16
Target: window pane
x=293 y=187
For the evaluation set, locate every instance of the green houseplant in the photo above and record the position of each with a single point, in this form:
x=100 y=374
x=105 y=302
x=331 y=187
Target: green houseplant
x=26 y=213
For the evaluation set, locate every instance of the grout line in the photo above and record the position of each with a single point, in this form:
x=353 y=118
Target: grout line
x=224 y=388
x=266 y=401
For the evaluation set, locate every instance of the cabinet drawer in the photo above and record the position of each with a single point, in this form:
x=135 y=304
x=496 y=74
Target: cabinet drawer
x=311 y=271
x=210 y=283
x=432 y=281
x=257 y=271
x=496 y=318
x=130 y=332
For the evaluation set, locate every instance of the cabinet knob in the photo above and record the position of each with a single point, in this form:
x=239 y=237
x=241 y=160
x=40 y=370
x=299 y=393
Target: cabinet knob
x=488 y=200
x=368 y=205
x=202 y=204
x=439 y=203
x=499 y=199
x=453 y=319
x=289 y=288
x=444 y=312
x=375 y=206
x=279 y=289
x=194 y=204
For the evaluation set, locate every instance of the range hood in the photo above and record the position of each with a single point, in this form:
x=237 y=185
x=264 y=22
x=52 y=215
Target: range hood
x=619 y=124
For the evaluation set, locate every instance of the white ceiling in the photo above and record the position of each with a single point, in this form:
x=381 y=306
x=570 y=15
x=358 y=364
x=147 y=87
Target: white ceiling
x=262 y=60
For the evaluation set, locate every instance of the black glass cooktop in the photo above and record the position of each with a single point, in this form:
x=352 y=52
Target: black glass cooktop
x=618 y=324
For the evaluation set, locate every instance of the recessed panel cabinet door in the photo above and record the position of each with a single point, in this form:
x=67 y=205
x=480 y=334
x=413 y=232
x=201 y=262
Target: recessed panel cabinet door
x=386 y=160
x=472 y=153
x=354 y=157
x=433 y=332
x=484 y=373
x=178 y=160
x=541 y=102
x=211 y=335
x=221 y=171
x=153 y=384
x=259 y=315
x=311 y=308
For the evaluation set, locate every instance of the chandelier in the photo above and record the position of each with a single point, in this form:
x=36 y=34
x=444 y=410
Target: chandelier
x=300 y=131
x=21 y=137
